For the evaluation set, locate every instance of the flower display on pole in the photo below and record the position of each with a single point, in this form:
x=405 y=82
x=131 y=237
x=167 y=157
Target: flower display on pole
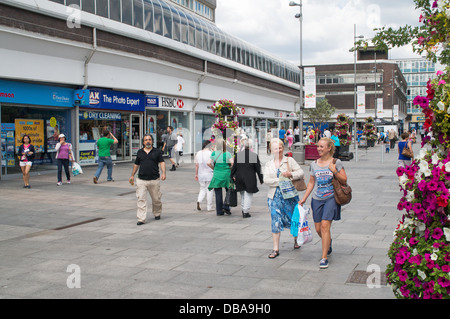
x=342 y=127
x=369 y=129
x=227 y=124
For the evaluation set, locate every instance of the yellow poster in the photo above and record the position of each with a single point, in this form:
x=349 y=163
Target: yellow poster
x=34 y=129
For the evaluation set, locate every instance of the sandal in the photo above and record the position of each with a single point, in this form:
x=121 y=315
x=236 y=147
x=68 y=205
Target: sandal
x=274 y=254
x=296 y=246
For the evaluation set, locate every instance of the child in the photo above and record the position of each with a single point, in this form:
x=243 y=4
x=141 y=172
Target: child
x=386 y=141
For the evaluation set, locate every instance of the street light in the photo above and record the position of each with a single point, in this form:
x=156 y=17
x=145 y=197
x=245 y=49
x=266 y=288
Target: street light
x=355 y=135
x=300 y=17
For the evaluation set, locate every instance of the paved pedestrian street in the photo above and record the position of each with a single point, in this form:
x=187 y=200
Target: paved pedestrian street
x=81 y=240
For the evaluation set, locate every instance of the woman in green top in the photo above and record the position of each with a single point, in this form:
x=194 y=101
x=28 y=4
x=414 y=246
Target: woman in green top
x=221 y=162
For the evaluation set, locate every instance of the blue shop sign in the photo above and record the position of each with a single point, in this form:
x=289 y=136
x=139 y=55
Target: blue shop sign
x=151 y=101
x=35 y=94
x=110 y=100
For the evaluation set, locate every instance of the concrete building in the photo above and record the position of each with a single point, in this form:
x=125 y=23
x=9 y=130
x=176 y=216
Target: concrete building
x=382 y=80
x=417 y=72
x=133 y=66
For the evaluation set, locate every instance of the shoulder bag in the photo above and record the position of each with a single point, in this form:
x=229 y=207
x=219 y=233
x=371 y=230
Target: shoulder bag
x=299 y=184
x=407 y=152
x=342 y=192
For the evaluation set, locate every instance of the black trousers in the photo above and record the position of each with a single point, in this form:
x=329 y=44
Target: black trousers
x=63 y=162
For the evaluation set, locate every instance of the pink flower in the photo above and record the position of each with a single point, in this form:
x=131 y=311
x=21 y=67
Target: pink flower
x=439 y=72
x=402 y=275
x=441 y=82
x=437 y=233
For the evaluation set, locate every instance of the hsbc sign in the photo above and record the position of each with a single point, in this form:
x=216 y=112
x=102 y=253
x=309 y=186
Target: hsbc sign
x=165 y=102
x=170 y=102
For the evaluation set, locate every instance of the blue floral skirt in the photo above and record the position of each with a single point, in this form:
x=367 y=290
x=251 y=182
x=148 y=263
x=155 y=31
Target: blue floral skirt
x=281 y=211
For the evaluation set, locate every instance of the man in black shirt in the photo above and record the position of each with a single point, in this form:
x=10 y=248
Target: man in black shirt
x=148 y=161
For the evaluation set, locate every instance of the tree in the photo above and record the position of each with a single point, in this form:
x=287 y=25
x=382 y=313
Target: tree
x=319 y=115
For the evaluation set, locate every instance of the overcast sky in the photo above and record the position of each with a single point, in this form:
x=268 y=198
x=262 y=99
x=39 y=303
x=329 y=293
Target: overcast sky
x=327 y=26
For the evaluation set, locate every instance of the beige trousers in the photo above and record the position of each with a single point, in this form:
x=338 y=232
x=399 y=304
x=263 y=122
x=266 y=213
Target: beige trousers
x=153 y=188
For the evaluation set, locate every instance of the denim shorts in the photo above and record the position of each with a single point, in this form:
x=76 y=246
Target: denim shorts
x=326 y=209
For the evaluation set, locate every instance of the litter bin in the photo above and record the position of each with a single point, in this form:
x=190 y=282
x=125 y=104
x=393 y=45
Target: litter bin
x=298 y=152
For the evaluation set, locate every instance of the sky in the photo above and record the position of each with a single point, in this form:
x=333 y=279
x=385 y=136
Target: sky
x=327 y=27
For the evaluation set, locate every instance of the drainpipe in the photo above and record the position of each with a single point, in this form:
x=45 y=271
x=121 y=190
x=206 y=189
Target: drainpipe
x=199 y=82
x=77 y=107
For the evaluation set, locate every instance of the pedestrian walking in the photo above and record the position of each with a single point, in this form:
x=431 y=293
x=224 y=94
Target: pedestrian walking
x=268 y=139
x=26 y=155
x=281 y=209
x=392 y=138
x=104 y=155
x=296 y=134
x=149 y=161
x=221 y=162
x=337 y=144
x=179 y=148
x=170 y=141
x=290 y=137
x=324 y=207
x=404 y=160
x=64 y=155
x=282 y=134
x=245 y=168
x=203 y=175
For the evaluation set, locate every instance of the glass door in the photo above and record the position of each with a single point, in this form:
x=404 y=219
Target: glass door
x=136 y=133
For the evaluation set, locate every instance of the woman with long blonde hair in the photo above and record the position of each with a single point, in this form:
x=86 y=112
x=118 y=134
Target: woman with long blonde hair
x=324 y=206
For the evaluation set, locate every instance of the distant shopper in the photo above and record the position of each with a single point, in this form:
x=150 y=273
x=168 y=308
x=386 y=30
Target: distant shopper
x=337 y=144
x=64 y=155
x=244 y=171
x=404 y=160
x=290 y=137
x=148 y=162
x=282 y=134
x=281 y=209
x=104 y=155
x=204 y=174
x=169 y=142
x=221 y=162
x=26 y=156
x=392 y=138
x=179 y=148
x=324 y=207
x=296 y=134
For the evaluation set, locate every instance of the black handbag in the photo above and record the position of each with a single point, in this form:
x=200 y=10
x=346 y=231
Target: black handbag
x=231 y=197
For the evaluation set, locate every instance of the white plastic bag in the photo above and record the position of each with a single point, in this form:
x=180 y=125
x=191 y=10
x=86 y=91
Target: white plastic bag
x=300 y=226
x=76 y=169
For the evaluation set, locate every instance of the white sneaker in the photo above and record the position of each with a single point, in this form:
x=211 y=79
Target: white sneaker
x=59 y=184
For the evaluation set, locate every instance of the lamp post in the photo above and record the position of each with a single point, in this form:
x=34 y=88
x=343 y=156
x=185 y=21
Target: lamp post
x=355 y=135
x=300 y=17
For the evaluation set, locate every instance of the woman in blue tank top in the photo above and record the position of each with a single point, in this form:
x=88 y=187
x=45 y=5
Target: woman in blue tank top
x=405 y=142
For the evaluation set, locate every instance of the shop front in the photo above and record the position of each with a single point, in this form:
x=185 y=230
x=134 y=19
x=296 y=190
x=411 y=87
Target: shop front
x=120 y=113
x=40 y=111
x=164 y=111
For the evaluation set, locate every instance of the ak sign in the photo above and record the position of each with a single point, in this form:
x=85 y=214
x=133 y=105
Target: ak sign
x=110 y=100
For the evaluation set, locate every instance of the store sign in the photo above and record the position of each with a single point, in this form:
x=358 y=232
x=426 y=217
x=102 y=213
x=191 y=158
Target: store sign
x=35 y=94
x=164 y=102
x=151 y=101
x=111 y=100
x=99 y=116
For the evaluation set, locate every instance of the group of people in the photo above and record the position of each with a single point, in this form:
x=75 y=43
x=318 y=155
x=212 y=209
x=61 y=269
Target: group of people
x=64 y=155
x=217 y=169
